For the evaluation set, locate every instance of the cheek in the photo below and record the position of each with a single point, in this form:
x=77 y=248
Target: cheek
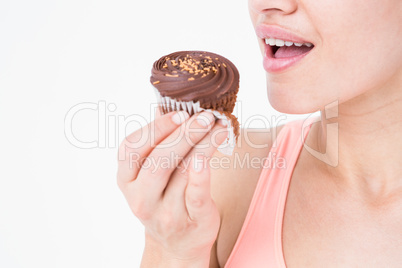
x=363 y=50
x=358 y=50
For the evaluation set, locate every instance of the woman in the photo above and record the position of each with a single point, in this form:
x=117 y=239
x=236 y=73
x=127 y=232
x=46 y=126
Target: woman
x=338 y=200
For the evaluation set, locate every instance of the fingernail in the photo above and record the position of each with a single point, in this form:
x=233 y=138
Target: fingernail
x=222 y=122
x=179 y=117
x=205 y=119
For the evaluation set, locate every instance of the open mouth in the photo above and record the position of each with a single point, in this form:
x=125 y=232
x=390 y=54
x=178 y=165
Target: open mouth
x=287 y=49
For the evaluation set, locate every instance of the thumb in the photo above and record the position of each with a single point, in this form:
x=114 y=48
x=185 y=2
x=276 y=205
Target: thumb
x=158 y=112
x=198 y=196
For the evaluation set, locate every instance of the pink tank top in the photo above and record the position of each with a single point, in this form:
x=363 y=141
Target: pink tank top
x=259 y=243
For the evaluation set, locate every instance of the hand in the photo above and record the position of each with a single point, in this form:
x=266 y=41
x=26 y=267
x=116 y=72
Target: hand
x=167 y=184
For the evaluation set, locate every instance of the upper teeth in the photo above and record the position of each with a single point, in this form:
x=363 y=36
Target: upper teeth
x=280 y=43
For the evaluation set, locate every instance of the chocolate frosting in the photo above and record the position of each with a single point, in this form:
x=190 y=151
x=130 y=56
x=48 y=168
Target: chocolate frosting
x=194 y=75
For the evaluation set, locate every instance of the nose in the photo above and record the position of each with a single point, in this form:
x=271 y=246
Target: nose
x=272 y=6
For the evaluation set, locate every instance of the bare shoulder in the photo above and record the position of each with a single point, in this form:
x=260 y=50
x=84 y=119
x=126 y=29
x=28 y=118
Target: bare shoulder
x=233 y=175
x=233 y=181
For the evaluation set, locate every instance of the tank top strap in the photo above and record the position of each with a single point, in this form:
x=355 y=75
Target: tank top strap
x=260 y=240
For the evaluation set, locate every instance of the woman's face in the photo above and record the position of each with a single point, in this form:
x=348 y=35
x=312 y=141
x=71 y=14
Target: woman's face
x=357 y=48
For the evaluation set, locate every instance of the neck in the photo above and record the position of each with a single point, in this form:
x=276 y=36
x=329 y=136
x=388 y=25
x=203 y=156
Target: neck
x=362 y=146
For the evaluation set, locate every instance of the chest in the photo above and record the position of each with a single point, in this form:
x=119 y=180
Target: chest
x=324 y=229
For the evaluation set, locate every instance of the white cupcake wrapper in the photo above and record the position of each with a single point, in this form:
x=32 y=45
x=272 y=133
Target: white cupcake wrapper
x=194 y=107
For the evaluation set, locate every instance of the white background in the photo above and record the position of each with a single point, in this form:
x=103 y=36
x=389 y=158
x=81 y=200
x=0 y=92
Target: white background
x=59 y=204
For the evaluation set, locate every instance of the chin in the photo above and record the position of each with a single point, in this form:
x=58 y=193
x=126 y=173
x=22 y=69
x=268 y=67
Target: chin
x=292 y=107
x=286 y=101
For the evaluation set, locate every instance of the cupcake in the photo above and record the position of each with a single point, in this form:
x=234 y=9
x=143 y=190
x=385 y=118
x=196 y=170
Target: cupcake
x=194 y=81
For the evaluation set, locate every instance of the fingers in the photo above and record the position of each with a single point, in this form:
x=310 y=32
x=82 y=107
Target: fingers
x=140 y=143
x=174 y=192
x=198 y=199
x=211 y=142
x=161 y=163
x=158 y=112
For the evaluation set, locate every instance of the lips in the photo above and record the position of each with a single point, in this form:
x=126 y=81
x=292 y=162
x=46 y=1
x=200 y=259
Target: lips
x=283 y=49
